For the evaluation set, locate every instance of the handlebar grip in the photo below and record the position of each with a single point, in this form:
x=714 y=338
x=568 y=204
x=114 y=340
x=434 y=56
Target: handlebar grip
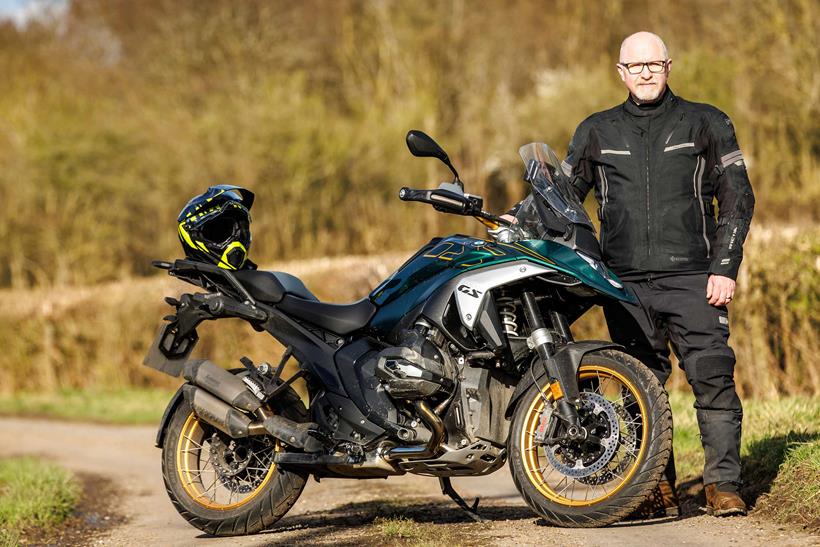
x=409 y=194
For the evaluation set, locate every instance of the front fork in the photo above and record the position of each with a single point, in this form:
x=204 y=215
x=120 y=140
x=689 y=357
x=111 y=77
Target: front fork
x=563 y=382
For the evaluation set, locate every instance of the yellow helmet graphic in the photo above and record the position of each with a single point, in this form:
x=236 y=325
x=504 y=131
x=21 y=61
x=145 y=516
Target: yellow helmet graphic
x=214 y=227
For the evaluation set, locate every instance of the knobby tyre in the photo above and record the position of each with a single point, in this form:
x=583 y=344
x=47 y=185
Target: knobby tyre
x=595 y=484
x=226 y=487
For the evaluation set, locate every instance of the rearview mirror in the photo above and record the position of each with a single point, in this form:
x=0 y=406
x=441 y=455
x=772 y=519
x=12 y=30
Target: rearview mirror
x=422 y=145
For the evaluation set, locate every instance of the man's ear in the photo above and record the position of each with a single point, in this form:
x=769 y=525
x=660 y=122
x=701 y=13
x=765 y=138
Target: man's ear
x=621 y=72
x=669 y=66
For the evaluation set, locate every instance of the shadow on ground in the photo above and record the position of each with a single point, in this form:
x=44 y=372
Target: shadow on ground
x=360 y=518
x=760 y=466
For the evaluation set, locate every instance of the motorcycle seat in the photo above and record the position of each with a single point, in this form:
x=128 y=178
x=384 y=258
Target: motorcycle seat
x=271 y=287
x=340 y=319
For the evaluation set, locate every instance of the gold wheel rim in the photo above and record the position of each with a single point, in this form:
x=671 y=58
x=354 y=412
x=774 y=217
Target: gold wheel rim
x=191 y=448
x=532 y=454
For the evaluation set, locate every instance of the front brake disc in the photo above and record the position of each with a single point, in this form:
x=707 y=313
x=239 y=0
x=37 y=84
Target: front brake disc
x=628 y=441
x=572 y=465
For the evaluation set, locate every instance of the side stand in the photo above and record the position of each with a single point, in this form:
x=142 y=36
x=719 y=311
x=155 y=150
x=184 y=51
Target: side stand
x=447 y=489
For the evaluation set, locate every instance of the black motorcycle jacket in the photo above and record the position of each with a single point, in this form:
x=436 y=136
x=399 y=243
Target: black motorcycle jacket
x=657 y=171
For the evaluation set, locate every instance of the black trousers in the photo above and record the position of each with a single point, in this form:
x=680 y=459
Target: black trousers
x=674 y=309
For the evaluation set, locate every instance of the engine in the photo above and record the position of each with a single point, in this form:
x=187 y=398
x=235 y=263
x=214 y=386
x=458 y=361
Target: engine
x=416 y=368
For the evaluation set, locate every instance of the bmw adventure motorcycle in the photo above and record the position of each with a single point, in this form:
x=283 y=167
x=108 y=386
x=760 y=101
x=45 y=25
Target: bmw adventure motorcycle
x=461 y=360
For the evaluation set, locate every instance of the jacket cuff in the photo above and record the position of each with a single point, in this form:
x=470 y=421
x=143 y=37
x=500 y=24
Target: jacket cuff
x=727 y=267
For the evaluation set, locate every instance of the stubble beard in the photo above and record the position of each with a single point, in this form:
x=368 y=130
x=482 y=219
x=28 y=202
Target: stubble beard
x=647 y=94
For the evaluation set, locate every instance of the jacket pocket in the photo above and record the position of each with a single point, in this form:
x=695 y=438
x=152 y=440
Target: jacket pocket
x=681 y=234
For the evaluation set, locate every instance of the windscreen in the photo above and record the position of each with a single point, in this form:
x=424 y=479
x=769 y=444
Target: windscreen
x=544 y=173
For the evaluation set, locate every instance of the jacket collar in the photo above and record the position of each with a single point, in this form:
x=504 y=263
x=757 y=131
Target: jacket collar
x=666 y=102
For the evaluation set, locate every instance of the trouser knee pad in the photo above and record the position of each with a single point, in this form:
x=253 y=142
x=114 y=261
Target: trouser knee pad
x=712 y=379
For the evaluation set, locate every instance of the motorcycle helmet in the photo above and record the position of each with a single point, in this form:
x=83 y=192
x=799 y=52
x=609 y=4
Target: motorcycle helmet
x=215 y=226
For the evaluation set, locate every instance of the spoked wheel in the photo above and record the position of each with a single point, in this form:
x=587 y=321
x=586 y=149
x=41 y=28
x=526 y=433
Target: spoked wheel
x=603 y=478
x=225 y=486
x=221 y=473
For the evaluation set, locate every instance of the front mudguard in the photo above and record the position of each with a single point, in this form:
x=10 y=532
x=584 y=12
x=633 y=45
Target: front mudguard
x=176 y=400
x=567 y=360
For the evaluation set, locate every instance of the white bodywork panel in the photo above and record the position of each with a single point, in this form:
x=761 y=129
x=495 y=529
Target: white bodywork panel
x=472 y=289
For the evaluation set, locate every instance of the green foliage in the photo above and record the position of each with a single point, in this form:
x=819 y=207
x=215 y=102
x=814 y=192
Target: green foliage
x=394 y=528
x=122 y=406
x=96 y=337
x=780 y=452
x=796 y=490
x=33 y=493
x=114 y=116
x=774 y=321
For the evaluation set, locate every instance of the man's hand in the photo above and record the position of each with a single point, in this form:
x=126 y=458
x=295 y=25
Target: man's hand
x=720 y=290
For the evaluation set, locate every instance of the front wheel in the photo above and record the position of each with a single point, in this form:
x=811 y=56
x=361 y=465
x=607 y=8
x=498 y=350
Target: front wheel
x=224 y=486
x=602 y=479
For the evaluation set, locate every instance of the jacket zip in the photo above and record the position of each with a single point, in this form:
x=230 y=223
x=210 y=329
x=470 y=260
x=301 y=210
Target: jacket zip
x=648 y=216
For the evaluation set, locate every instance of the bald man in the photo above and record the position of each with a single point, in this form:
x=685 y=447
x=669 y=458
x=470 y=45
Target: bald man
x=657 y=164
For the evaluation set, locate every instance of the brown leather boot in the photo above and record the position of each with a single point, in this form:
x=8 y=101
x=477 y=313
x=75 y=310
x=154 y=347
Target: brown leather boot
x=723 y=504
x=662 y=502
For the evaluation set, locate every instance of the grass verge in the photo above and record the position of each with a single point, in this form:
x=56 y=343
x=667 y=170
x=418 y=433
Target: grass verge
x=795 y=493
x=780 y=453
x=33 y=494
x=123 y=406
x=400 y=529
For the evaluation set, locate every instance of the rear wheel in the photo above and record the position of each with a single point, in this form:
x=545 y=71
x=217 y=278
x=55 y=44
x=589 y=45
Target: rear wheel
x=600 y=480
x=224 y=486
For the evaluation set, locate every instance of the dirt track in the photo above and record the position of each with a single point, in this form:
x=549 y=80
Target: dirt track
x=340 y=512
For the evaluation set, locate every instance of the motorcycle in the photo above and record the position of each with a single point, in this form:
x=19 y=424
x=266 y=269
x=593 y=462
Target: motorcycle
x=462 y=360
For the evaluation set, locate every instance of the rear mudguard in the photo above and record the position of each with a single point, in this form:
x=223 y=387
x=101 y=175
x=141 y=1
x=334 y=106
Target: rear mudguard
x=567 y=359
x=176 y=400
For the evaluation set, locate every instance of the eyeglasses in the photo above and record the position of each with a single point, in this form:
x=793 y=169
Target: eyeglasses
x=655 y=67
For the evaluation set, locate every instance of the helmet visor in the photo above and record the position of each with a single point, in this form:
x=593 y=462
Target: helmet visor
x=222 y=229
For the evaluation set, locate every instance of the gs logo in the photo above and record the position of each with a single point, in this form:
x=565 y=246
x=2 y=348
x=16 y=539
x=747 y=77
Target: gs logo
x=468 y=291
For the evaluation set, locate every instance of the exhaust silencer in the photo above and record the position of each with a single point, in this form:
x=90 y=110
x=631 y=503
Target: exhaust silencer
x=216 y=391
x=221 y=383
x=217 y=413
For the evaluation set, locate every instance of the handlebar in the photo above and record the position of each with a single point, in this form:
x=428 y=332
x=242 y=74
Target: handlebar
x=409 y=194
x=443 y=200
x=451 y=202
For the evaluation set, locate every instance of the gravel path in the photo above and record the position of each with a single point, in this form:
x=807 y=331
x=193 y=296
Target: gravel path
x=342 y=512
